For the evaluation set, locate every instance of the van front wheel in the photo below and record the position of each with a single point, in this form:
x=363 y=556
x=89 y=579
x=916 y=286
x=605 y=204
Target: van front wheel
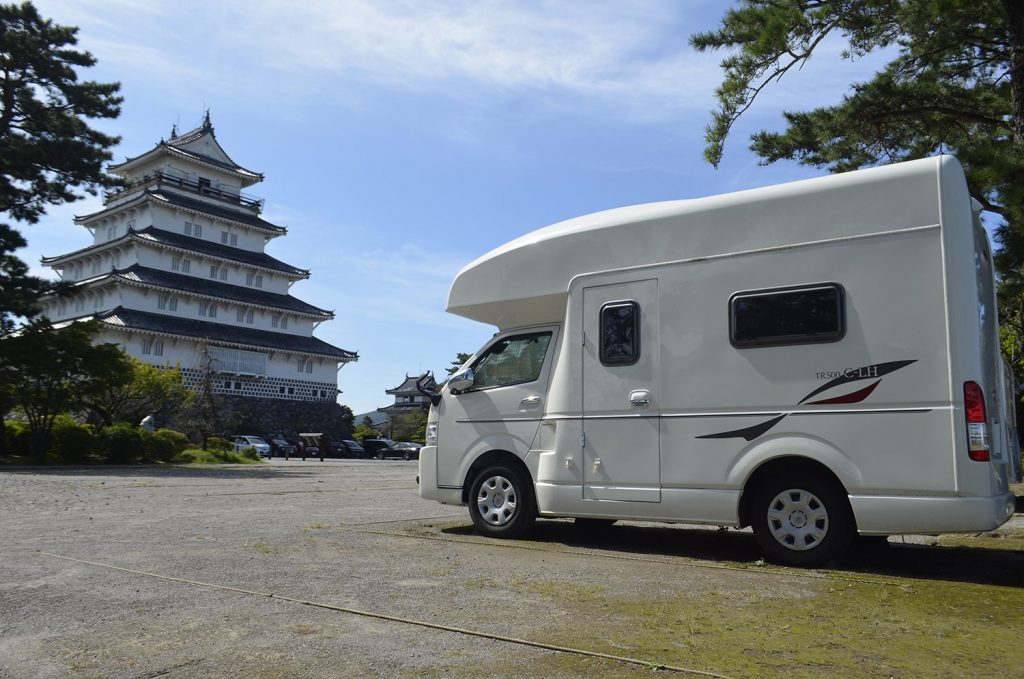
x=501 y=502
x=802 y=520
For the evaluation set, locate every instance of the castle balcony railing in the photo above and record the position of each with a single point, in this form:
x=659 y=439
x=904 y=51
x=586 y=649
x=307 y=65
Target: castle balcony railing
x=200 y=187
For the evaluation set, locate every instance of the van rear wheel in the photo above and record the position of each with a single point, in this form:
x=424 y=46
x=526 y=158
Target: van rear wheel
x=802 y=520
x=501 y=502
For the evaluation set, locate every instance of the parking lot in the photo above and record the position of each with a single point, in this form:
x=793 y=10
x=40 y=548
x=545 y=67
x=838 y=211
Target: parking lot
x=338 y=569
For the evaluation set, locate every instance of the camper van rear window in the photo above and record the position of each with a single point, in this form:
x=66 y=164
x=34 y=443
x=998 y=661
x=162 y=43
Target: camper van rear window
x=787 y=316
x=620 y=333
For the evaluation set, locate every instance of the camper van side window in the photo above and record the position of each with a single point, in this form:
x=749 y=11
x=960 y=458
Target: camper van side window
x=787 y=316
x=620 y=333
x=511 y=360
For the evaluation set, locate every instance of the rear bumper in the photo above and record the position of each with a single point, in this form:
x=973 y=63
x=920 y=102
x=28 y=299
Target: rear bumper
x=428 y=480
x=892 y=515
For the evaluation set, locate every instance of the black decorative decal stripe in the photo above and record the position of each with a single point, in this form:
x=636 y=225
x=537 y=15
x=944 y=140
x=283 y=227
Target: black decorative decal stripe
x=849 y=375
x=749 y=433
x=864 y=373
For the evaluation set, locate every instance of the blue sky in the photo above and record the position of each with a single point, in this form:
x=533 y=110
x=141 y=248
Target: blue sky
x=401 y=140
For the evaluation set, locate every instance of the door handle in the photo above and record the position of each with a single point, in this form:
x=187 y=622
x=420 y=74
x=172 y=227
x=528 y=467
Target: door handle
x=641 y=398
x=530 y=401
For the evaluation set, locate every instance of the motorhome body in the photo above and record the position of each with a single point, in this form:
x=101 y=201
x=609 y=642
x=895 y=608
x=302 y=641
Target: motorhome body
x=812 y=359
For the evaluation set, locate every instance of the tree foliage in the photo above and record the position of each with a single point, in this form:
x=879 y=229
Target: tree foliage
x=955 y=84
x=409 y=427
x=48 y=152
x=460 y=360
x=149 y=389
x=56 y=371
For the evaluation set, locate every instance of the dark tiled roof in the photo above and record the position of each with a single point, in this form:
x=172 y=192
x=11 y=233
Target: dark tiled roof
x=212 y=161
x=403 y=407
x=409 y=386
x=208 y=247
x=215 y=210
x=177 y=141
x=200 y=206
x=152 y=234
x=218 y=333
x=212 y=288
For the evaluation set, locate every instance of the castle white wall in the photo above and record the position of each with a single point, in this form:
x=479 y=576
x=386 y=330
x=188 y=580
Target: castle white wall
x=276 y=374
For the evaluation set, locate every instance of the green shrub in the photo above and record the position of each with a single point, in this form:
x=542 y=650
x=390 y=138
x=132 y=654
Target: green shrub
x=18 y=438
x=71 y=441
x=121 y=443
x=209 y=456
x=180 y=441
x=157 y=448
x=218 y=443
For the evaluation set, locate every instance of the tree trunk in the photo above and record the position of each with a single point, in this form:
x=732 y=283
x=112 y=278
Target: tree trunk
x=1015 y=33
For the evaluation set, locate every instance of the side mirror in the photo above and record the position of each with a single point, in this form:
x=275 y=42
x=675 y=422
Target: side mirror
x=461 y=381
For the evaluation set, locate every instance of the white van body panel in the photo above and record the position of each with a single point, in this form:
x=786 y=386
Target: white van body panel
x=679 y=433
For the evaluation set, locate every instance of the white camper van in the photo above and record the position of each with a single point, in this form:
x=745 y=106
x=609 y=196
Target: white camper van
x=814 y=360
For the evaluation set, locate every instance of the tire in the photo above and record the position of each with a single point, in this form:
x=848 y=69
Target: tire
x=380 y=456
x=802 y=519
x=407 y=457
x=501 y=502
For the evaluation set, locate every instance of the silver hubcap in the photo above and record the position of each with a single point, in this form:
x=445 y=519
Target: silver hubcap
x=798 y=519
x=497 y=500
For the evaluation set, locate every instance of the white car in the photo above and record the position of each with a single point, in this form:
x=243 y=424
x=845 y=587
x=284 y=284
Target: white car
x=243 y=442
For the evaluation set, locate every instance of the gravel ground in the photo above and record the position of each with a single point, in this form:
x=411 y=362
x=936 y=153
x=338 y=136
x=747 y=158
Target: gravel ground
x=348 y=534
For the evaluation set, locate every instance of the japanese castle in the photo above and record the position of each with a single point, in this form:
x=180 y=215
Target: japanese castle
x=177 y=275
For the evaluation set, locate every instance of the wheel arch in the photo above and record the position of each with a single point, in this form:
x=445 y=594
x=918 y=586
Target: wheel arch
x=781 y=466
x=495 y=457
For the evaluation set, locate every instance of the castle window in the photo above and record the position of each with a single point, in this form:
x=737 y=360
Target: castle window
x=147 y=346
x=175 y=263
x=158 y=348
x=186 y=266
x=188 y=228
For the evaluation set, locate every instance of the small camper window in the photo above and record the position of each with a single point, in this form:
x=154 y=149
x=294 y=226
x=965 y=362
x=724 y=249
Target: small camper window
x=787 y=316
x=620 y=333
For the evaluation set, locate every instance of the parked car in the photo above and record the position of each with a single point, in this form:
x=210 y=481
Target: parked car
x=348 y=448
x=244 y=441
x=408 y=449
x=281 y=447
x=375 y=446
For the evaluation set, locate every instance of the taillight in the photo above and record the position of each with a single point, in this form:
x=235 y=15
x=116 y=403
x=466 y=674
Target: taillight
x=978 y=440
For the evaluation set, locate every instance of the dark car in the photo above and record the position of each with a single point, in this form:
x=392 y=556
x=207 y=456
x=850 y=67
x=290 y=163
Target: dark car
x=408 y=450
x=280 y=447
x=348 y=448
x=374 y=447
